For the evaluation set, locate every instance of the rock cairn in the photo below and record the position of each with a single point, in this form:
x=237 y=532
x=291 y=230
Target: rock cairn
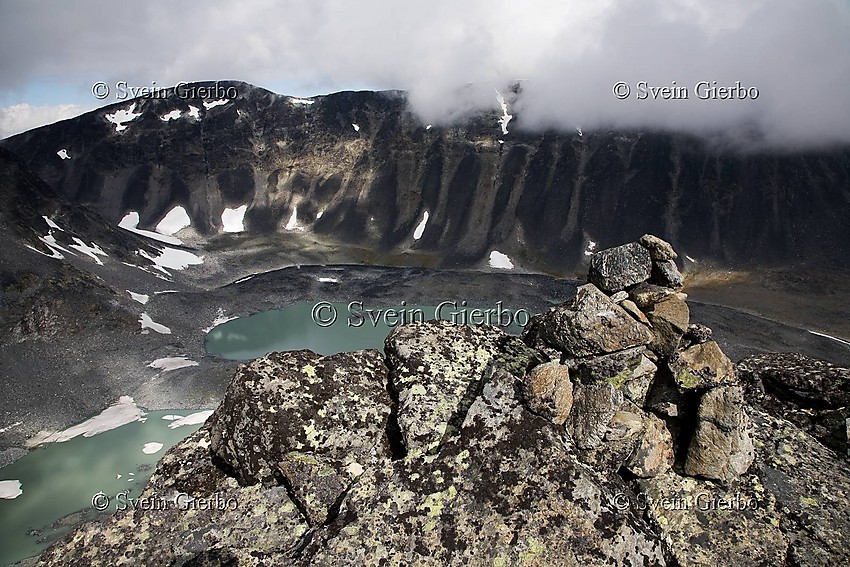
x=632 y=380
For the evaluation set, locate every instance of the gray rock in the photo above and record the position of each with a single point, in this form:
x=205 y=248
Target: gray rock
x=619 y=296
x=436 y=370
x=702 y=366
x=548 y=391
x=654 y=454
x=617 y=268
x=666 y=274
x=593 y=407
x=505 y=491
x=696 y=335
x=632 y=309
x=721 y=448
x=335 y=407
x=658 y=249
x=669 y=318
x=216 y=521
x=647 y=294
x=591 y=324
x=813 y=394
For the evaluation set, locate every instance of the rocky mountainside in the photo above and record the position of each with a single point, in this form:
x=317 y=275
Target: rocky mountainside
x=615 y=431
x=358 y=168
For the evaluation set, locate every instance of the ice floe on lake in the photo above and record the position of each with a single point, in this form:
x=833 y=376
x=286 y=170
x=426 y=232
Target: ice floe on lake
x=152 y=448
x=10 y=489
x=121 y=413
x=191 y=419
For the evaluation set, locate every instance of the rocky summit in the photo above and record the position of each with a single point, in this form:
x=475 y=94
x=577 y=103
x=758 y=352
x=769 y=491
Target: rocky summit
x=613 y=431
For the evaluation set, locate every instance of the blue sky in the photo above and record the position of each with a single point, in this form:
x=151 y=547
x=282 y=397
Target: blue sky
x=451 y=56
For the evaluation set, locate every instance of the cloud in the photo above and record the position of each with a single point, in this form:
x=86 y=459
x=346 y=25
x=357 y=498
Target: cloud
x=450 y=55
x=19 y=118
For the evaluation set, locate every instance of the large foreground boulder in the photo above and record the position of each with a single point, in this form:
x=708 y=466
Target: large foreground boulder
x=615 y=269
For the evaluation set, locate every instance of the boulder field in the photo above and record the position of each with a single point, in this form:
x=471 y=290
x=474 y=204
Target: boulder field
x=613 y=431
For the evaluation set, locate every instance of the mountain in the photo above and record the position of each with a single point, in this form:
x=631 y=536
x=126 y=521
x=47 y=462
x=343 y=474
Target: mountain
x=359 y=170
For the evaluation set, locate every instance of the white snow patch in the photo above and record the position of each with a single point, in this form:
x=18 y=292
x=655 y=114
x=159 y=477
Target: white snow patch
x=328 y=280
x=417 y=234
x=165 y=291
x=10 y=489
x=173 y=115
x=152 y=448
x=355 y=126
x=306 y=101
x=63 y=153
x=173 y=259
x=214 y=103
x=842 y=341
x=194 y=112
x=691 y=259
x=578 y=129
x=428 y=127
x=176 y=220
x=121 y=117
x=131 y=221
x=52 y=224
x=220 y=318
x=121 y=413
x=245 y=279
x=319 y=214
x=591 y=246
x=148 y=323
x=54 y=254
x=140 y=297
x=505 y=118
x=92 y=251
x=292 y=223
x=9 y=427
x=172 y=363
x=500 y=261
x=191 y=419
x=232 y=219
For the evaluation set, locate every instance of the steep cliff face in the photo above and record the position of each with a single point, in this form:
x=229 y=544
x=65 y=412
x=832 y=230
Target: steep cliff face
x=360 y=167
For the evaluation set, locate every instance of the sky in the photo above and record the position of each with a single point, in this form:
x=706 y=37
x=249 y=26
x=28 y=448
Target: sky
x=571 y=58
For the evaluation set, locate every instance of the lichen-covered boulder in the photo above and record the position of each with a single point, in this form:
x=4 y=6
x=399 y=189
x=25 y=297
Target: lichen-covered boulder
x=593 y=407
x=305 y=420
x=658 y=249
x=436 y=370
x=654 y=453
x=631 y=371
x=196 y=516
x=591 y=324
x=548 y=391
x=665 y=273
x=615 y=269
x=669 y=318
x=647 y=294
x=721 y=448
x=504 y=491
x=812 y=393
x=702 y=366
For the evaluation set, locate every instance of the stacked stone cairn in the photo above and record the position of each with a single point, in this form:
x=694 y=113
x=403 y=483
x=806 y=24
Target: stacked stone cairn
x=633 y=381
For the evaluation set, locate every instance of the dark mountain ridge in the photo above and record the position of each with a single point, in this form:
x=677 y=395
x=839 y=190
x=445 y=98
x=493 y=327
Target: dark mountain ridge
x=361 y=168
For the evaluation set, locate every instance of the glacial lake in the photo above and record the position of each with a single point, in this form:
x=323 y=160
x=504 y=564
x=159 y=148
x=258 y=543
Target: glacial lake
x=60 y=479
x=329 y=328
